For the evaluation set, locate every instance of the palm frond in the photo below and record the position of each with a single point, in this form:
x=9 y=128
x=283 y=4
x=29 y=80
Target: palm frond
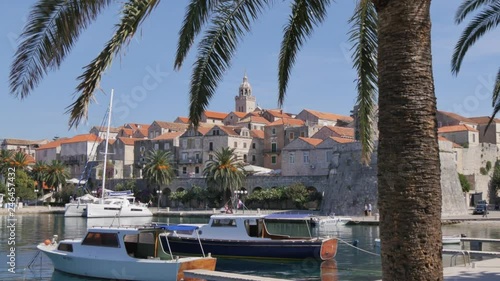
x=306 y=14
x=197 y=13
x=363 y=35
x=486 y=20
x=467 y=7
x=52 y=29
x=495 y=99
x=133 y=14
x=231 y=21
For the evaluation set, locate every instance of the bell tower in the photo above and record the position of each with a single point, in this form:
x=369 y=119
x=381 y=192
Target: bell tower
x=244 y=101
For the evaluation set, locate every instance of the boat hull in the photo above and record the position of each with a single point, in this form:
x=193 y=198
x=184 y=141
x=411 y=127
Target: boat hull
x=74 y=209
x=267 y=249
x=109 y=211
x=121 y=269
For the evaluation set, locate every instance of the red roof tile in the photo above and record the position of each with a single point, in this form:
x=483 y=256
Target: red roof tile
x=342 y=131
x=239 y=114
x=288 y=122
x=52 y=144
x=129 y=141
x=483 y=120
x=257 y=134
x=278 y=113
x=457 y=117
x=456 y=128
x=184 y=120
x=82 y=138
x=168 y=136
x=329 y=116
x=215 y=114
x=172 y=125
x=342 y=140
x=311 y=141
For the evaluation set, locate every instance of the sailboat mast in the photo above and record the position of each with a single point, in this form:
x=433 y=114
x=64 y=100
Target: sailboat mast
x=106 y=148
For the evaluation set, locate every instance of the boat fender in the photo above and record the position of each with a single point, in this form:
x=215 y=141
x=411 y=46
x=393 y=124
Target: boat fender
x=355 y=243
x=46 y=242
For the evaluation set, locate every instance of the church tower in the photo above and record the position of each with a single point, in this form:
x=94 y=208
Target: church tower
x=245 y=102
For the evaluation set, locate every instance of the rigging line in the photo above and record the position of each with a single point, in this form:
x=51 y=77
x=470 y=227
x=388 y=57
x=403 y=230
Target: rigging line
x=363 y=250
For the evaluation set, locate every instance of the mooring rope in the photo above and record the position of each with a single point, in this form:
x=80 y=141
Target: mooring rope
x=358 y=248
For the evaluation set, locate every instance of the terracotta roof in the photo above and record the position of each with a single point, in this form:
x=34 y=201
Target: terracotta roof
x=278 y=113
x=257 y=134
x=287 y=121
x=204 y=130
x=342 y=140
x=455 y=145
x=215 y=114
x=168 y=136
x=311 y=141
x=456 y=128
x=126 y=132
x=230 y=130
x=142 y=131
x=184 y=120
x=329 y=116
x=172 y=125
x=253 y=113
x=82 y=138
x=342 y=131
x=22 y=142
x=254 y=119
x=239 y=114
x=135 y=126
x=52 y=144
x=483 y=120
x=129 y=141
x=30 y=159
x=456 y=117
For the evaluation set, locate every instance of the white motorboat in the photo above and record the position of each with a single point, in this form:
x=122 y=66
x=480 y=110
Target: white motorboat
x=325 y=223
x=76 y=207
x=121 y=253
x=125 y=206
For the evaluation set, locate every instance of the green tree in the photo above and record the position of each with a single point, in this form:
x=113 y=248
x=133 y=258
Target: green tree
x=464 y=182
x=393 y=39
x=19 y=161
x=224 y=172
x=483 y=22
x=24 y=186
x=158 y=169
x=5 y=162
x=56 y=175
x=39 y=173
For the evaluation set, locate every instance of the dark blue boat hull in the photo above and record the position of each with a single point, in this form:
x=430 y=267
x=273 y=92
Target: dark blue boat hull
x=271 y=249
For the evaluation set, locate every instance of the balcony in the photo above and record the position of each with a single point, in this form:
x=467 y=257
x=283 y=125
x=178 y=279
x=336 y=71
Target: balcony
x=190 y=160
x=272 y=151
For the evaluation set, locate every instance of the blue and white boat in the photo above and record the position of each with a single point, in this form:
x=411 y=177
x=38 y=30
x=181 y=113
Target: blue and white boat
x=244 y=236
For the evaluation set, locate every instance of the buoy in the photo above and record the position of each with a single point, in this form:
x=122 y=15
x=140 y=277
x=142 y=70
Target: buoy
x=355 y=243
x=46 y=242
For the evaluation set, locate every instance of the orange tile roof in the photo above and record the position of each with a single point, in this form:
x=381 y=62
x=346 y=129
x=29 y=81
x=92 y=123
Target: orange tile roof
x=126 y=132
x=329 y=116
x=257 y=134
x=342 y=131
x=215 y=114
x=342 y=140
x=82 y=138
x=287 y=121
x=52 y=144
x=455 y=145
x=456 y=128
x=142 y=131
x=483 y=120
x=239 y=114
x=184 y=120
x=278 y=113
x=172 y=125
x=168 y=136
x=135 y=126
x=129 y=141
x=254 y=119
x=230 y=130
x=204 y=130
x=253 y=113
x=456 y=116
x=311 y=141
x=30 y=159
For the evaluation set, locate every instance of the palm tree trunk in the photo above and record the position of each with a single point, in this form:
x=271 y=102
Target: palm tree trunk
x=408 y=155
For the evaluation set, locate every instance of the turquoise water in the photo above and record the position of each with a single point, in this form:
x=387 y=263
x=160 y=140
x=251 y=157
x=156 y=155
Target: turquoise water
x=351 y=264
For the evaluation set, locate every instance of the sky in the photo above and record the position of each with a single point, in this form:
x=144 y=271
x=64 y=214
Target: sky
x=147 y=88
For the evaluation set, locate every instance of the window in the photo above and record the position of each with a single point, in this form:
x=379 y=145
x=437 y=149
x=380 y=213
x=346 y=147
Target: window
x=273 y=160
x=253 y=158
x=184 y=170
x=184 y=143
x=65 y=247
x=156 y=146
x=254 y=145
x=273 y=131
x=190 y=143
x=215 y=132
x=302 y=134
x=197 y=143
x=244 y=158
x=306 y=157
x=274 y=147
x=291 y=136
x=101 y=239
x=197 y=156
x=473 y=137
x=224 y=223
x=45 y=153
x=196 y=170
x=184 y=156
x=244 y=145
x=292 y=158
x=211 y=146
x=235 y=144
x=142 y=148
x=166 y=146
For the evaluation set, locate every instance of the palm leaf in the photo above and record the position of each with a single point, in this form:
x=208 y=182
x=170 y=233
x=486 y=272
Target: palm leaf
x=363 y=35
x=469 y=6
x=306 y=14
x=197 y=13
x=496 y=99
x=231 y=21
x=133 y=14
x=53 y=27
x=486 y=20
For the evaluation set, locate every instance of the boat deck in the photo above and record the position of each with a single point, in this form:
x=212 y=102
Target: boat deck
x=225 y=276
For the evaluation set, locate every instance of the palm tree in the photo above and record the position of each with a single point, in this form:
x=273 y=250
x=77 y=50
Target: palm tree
x=19 y=160
x=486 y=20
x=5 y=161
x=393 y=39
x=224 y=172
x=158 y=169
x=56 y=174
x=39 y=173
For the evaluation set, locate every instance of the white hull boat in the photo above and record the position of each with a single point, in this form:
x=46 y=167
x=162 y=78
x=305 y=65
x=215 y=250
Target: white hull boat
x=77 y=207
x=117 y=207
x=121 y=253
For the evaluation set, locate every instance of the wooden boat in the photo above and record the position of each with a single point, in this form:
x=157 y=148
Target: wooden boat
x=244 y=236
x=123 y=253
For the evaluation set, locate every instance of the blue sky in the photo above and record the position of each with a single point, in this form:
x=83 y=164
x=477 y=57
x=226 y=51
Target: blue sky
x=147 y=88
